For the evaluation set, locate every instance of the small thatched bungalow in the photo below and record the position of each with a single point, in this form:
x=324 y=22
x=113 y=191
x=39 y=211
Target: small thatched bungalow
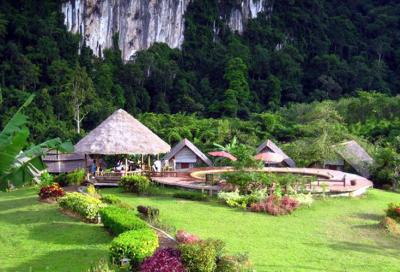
x=353 y=156
x=187 y=155
x=269 y=146
x=57 y=162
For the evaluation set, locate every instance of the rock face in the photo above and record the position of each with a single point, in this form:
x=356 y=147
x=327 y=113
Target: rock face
x=239 y=15
x=140 y=23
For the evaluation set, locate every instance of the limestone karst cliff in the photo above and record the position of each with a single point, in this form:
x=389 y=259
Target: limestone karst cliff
x=140 y=23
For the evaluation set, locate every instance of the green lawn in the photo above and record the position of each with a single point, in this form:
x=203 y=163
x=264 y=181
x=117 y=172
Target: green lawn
x=332 y=235
x=36 y=237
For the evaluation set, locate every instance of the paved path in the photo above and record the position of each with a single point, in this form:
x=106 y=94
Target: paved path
x=338 y=182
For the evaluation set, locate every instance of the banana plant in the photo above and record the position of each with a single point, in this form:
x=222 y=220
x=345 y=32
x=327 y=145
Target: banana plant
x=18 y=166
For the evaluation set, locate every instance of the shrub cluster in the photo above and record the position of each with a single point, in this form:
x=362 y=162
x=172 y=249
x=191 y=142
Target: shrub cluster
x=135 y=184
x=236 y=263
x=191 y=196
x=391 y=225
x=275 y=205
x=235 y=199
x=51 y=191
x=85 y=205
x=149 y=213
x=199 y=257
x=76 y=177
x=135 y=245
x=111 y=199
x=119 y=220
x=164 y=260
x=61 y=179
x=393 y=211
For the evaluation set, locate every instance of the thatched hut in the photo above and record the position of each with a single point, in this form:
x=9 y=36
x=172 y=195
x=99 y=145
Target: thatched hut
x=354 y=155
x=269 y=146
x=121 y=134
x=187 y=155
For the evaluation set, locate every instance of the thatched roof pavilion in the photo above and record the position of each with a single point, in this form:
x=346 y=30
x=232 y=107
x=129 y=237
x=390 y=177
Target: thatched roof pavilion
x=121 y=134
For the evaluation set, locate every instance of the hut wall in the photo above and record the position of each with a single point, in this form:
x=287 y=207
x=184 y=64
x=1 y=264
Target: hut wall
x=185 y=158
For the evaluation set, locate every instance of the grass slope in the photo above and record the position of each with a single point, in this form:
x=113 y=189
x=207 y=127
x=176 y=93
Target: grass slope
x=332 y=235
x=36 y=237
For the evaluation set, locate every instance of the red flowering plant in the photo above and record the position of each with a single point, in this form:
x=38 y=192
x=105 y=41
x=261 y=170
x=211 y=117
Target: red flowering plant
x=275 y=205
x=51 y=191
x=163 y=260
x=184 y=237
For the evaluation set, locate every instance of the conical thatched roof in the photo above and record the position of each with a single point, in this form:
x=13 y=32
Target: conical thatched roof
x=121 y=134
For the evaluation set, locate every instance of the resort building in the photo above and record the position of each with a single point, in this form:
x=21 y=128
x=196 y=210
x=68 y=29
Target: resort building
x=269 y=146
x=57 y=162
x=186 y=155
x=352 y=157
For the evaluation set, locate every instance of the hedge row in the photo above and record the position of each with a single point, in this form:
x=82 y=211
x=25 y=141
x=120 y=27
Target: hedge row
x=118 y=220
x=86 y=206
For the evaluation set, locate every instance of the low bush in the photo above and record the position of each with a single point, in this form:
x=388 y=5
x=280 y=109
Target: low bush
x=237 y=263
x=76 y=177
x=164 y=260
x=119 y=220
x=242 y=179
x=275 y=205
x=186 y=238
x=191 y=196
x=135 y=184
x=234 y=199
x=86 y=206
x=393 y=211
x=199 y=257
x=46 y=179
x=149 y=213
x=135 y=245
x=111 y=199
x=391 y=225
x=51 y=191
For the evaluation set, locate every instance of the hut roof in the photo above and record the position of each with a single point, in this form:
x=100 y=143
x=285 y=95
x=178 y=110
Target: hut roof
x=356 y=156
x=274 y=148
x=64 y=162
x=120 y=133
x=186 y=143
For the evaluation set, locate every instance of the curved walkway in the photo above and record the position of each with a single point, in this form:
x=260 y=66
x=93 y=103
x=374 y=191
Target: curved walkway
x=338 y=182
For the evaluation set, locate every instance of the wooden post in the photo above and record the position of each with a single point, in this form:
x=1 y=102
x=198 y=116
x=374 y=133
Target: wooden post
x=126 y=165
x=97 y=164
x=141 y=165
x=148 y=159
x=86 y=168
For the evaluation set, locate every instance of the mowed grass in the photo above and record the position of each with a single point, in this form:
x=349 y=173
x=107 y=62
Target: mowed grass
x=333 y=235
x=36 y=237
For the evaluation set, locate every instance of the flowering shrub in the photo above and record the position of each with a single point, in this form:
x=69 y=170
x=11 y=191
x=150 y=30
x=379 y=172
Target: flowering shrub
x=186 y=238
x=275 y=205
x=135 y=184
x=303 y=199
x=135 y=245
x=393 y=211
x=51 y=191
x=164 y=260
x=119 y=220
x=85 y=205
x=391 y=226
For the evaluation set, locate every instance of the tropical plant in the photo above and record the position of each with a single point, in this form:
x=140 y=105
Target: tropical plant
x=51 y=191
x=135 y=183
x=17 y=166
x=86 y=206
